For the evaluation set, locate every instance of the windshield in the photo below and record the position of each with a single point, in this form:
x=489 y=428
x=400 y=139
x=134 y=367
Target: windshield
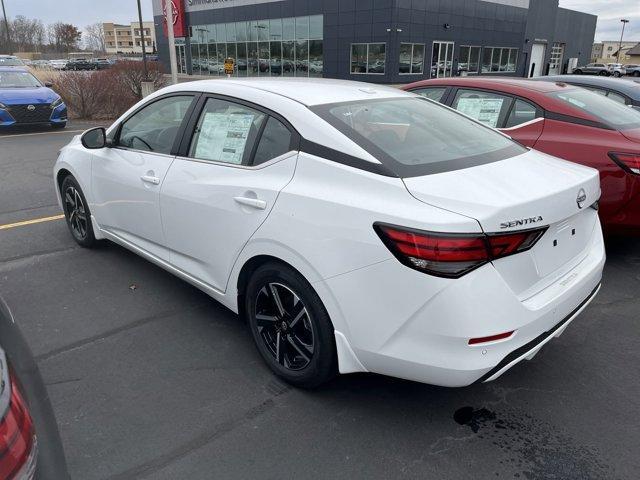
x=18 y=80
x=414 y=136
x=611 y=113
x=11 y=62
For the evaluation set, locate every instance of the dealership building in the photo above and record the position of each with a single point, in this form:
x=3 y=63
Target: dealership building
x=382 y=41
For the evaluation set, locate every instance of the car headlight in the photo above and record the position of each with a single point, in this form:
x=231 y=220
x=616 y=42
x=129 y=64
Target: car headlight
x=2 y=106
x=56 y=103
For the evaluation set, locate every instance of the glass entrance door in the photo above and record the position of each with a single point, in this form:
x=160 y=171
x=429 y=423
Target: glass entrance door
x=442 y=59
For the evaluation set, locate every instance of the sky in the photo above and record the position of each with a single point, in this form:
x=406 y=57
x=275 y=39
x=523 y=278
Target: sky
x=85 y=12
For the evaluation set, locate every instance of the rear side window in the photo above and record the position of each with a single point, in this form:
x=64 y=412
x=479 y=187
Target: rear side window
x=275 y=141
x=432 y=93
x=155 y=127
x=413 y=137
x=521 y=112
x=226 y=132
x=486 y=107
x=610 y=112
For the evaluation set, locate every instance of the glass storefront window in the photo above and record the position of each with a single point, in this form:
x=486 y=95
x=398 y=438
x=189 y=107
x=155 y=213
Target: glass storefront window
x=411 y=58
x=499 y=59
x=469 y=59
x=275 y=47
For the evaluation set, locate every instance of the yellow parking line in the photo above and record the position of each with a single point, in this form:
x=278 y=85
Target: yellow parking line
x=31 y=222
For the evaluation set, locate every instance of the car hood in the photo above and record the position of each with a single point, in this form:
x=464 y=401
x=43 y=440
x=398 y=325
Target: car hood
x=20 y=96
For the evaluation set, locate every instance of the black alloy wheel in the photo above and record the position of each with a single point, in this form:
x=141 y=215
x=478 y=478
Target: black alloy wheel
x=76 y=212
x=284 y=326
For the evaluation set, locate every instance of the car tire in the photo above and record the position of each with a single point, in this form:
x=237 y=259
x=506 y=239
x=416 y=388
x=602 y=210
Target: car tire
x=636 y=74
x=77 y=213
x=616 y=74
x=293 y=333
x=577 y=72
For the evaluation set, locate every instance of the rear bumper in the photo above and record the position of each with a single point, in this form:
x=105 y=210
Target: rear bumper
x=406 y=324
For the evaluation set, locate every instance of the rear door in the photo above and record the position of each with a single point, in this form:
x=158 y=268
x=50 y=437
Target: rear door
x=521 y=120
x=223 y=185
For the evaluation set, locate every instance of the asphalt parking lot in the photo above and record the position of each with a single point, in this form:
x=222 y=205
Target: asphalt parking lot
x=150 y=378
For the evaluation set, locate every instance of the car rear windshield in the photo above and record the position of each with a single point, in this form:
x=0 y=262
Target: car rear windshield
x=414 y=136
x=18 y=80
x=611 y=113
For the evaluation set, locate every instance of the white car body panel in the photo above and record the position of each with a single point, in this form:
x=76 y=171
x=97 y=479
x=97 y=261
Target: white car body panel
x=318 y=217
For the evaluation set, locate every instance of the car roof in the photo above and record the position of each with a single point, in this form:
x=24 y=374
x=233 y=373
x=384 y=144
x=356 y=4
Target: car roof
x=492 y=83
x=630 y=88
x=307 y=91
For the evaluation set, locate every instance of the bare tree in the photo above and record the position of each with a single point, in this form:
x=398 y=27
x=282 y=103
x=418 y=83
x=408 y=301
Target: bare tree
x=94 y=37
x=64 y=36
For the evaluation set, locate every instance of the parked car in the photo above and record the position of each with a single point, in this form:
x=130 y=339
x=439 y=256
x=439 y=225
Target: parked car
x=627 y=92
x=616 y=69
x=562 y=120
x=633 y=69
x=102 y=63
x=593 y=69
x=30 y=445
x=58 y=64
x=11 y=61
x=355 y=227
x=24 y=100
x=80 y=64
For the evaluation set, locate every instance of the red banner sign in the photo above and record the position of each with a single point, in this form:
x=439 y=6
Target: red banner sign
x=179 y=24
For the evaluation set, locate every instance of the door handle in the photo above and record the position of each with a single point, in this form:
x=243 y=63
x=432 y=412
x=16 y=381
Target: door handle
x=251 y=202
x=150 y=179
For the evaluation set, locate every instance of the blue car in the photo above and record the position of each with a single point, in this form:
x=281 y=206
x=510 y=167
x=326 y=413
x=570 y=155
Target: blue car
x=26 y=101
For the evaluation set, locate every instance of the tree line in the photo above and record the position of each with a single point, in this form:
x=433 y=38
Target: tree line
x=32 y=35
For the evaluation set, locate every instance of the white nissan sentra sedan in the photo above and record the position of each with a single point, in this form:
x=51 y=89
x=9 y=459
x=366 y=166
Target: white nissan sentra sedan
x=356 y=228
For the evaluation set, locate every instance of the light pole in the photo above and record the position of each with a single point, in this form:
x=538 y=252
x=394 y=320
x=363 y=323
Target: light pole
x=624 y=23
x=142 y=41
x=6 y=27
x=168 y=16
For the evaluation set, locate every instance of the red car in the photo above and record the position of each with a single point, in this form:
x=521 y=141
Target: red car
x=562 y=120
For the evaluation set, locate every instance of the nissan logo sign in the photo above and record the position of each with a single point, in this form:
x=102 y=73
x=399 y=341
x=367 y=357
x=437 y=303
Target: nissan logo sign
x=31 y=108
x=582 y=197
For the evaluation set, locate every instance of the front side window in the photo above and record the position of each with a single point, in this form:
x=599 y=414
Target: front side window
x=226 y=132
x=155 y=127
x=412 y=136
x=486 y=107
x=368 y=58
x=411 y=58
x=611 y=113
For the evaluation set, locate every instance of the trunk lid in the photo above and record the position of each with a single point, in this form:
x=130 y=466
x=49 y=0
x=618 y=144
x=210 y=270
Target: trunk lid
x=529 y=191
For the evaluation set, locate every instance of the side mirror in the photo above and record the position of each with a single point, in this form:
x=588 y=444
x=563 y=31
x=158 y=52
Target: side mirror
x=94 y=138
x=48 y=84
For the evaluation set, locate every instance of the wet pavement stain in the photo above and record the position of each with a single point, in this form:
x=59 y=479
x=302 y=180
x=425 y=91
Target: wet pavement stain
x=534 y=449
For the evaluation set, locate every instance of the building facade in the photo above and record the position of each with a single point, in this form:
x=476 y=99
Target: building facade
x=383 y=41
x=607 y=51
x=128 y=39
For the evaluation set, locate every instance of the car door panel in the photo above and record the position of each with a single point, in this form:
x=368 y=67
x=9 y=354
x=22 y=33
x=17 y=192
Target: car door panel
x=526 y=133
x=126 y=188
x=211 y=210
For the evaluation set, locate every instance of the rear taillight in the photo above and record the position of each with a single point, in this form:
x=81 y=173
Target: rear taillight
x=629 y=162
x=17 y=441
x=452 y=255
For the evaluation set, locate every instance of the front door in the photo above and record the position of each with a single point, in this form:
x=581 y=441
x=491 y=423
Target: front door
x=126 y=178
x=442 y=59
x=216 y=197
x=536 y=65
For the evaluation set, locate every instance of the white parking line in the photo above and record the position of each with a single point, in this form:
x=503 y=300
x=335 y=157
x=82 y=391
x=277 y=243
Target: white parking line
x=39 y=133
